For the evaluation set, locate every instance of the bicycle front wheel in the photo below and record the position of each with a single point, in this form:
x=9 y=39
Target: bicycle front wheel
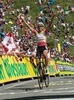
x=40 y=82
x=40 y=74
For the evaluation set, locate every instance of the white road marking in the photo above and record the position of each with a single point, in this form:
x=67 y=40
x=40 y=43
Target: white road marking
x=3 y=93
x=69 y=81
x=12 y=93
x=62 y=82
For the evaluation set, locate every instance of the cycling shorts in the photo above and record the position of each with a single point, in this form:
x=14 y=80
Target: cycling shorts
x=40 y=50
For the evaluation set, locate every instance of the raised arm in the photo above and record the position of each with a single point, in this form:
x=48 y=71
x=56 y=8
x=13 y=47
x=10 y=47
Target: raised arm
x=50 y=23
x=28 y=25
x=31 y=28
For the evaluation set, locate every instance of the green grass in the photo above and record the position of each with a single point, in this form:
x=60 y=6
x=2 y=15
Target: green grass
x=34 y=11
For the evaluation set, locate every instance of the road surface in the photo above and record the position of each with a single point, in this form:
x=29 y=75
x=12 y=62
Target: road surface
x=60 y=88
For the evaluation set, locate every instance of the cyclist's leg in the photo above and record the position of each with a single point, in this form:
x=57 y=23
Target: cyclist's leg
x=45 y=53
x=38 y=55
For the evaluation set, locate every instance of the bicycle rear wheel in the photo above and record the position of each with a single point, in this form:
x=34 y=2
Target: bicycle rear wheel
x=46 y=80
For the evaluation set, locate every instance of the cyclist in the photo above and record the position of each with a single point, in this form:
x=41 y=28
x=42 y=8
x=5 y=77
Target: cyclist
x=41 y=39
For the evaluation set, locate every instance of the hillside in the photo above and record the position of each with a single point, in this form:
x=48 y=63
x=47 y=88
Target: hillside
x=34 y=12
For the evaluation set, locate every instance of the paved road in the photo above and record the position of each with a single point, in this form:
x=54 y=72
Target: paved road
x=59 y=87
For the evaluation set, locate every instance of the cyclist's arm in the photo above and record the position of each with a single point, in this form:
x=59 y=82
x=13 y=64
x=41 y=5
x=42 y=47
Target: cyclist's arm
x=50 y=23
x=31 y=28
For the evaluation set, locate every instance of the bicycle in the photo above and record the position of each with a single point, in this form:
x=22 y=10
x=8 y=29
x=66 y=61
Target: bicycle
x=42 y=76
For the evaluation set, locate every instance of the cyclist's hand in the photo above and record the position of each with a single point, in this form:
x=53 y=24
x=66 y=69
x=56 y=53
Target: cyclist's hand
x=22 y=17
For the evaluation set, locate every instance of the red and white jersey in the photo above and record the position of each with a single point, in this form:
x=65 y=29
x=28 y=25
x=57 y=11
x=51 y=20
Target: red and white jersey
x=41 y=38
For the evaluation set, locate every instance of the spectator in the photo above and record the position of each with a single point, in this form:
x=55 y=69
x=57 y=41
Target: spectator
x=40 y=2
x=8 y=2
x=1 y=50
x=22 y=10
x=41 y=10
x=27 y=10
x=2 y=34
x=65 y=46
x=51 y=2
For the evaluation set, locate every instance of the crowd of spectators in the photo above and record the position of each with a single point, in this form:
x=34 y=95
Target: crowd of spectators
x=25 y=41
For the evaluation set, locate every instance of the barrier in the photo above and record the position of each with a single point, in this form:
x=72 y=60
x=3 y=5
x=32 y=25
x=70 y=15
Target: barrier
x=11 y=70
x=53 y=68
x=65 y=68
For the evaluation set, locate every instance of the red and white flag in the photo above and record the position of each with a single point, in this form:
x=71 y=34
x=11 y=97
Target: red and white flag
x=8 y=42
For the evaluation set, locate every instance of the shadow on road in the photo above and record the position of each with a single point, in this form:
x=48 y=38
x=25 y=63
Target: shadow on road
x=26 y=89
x=43 y=97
